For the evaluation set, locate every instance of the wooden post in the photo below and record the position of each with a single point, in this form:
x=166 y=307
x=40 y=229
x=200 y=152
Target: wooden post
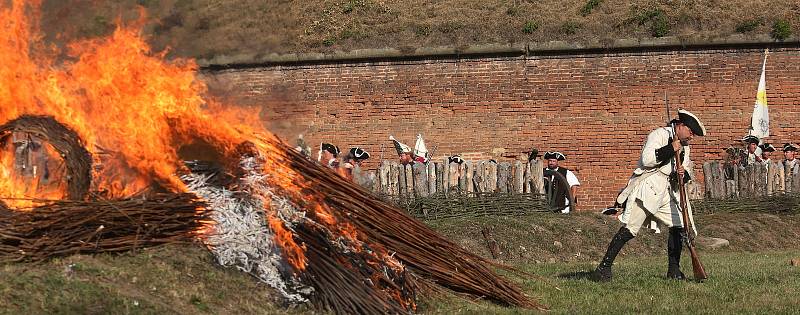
x=477 y=178
x=492 y=176
x=711 y=182
x=446 y=175
x=519 y=177
x=420 y=178
x=440 y=171
x=469 y=172
x=453 y=176
x=409 y=172
x=383 y=173
x=772 y=179
x=719 y=171
x=537 y=173
x=527 y=186
x=742 y=182
x=503 y=171
x=431 y=168
x=795 y=178
x=394 y=179
x=751 y=180
x=759 y=180
x=462 y=178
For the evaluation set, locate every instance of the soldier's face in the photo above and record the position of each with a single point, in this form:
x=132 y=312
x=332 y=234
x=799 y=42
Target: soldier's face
x=405 y=158
x=789 y=155
x=751 y=147
x=552 y=163
x=326 y=156
x=684 y=133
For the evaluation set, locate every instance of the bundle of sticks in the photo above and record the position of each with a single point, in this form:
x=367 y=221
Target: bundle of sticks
x=65 y=227
x=428 y=254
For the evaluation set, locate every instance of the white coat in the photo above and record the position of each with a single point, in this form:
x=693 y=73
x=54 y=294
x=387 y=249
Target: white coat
x=650 y=180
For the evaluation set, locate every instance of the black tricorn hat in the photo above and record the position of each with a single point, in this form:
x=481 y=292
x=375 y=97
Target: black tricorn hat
x=455 y=159
x=789 y=147
x=750 y=139
x=359 y=153
x=329 y=147
x=554 y=155
x=691 y=121
x=766 y=147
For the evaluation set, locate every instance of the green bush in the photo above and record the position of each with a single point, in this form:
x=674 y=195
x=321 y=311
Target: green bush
x=656 y=18
x=328 y=41
x=781 y=30
x=660 y=26
x=530 y=27
x=747 y=26
x=422 y=30
x=589 y=6
x=570 y=27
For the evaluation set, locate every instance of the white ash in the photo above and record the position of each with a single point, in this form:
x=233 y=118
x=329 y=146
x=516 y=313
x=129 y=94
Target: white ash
x=255 y=183
x=242 y=238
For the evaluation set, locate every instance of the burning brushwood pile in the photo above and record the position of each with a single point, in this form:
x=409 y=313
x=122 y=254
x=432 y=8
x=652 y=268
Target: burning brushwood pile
x=89 y=163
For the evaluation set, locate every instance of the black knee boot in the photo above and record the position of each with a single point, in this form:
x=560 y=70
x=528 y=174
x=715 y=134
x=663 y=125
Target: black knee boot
x=674 y=248
x=603 y=270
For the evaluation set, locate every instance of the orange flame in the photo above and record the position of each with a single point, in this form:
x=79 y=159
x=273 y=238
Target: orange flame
x=133 y=110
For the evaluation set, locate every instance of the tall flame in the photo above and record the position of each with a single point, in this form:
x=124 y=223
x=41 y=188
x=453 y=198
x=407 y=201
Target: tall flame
x=133 y=110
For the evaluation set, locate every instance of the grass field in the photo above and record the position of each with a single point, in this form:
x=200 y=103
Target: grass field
x=739 y=283
x=752 y=275
x=184 y=280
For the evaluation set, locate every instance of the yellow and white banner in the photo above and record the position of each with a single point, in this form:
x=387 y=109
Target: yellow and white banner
x=759 y=125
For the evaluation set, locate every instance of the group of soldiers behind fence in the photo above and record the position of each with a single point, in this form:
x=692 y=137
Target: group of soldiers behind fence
x=561 y=184
x=754 y=152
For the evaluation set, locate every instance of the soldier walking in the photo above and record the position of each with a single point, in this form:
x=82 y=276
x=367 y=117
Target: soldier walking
x=652 y=193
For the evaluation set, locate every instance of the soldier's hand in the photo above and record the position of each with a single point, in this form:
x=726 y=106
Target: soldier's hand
x=676 y=145
x=681 y=170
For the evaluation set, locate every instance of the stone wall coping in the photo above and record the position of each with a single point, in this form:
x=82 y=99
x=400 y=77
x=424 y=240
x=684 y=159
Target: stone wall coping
x=482 y=50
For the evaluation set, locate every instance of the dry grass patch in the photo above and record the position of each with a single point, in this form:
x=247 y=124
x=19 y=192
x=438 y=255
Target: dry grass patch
x=207 y=28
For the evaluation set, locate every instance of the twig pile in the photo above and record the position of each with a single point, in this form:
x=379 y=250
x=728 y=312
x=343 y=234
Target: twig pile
x=71 y=227
x=428 y=254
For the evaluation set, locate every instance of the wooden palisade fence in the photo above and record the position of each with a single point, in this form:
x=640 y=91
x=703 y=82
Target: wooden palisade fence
x=726 y=181
x=442 y=178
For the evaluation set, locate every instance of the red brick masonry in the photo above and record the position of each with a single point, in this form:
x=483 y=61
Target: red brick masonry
x=595 y=108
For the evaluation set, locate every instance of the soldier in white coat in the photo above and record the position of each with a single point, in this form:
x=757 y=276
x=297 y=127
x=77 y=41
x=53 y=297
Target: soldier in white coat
x=652 y=195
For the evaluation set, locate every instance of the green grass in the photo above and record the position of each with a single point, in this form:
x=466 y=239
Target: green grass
x=751 y=276
x=738 y=284
x=164 y=280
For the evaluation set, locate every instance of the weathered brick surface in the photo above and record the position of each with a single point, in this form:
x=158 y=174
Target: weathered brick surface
x=596 y=108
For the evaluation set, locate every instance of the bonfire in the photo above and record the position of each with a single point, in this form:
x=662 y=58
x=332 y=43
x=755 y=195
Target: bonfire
x=90 y=163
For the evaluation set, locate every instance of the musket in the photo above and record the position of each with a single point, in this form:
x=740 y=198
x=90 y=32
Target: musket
x=687 y=236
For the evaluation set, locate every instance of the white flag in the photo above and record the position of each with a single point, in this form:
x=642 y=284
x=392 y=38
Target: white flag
x=759 y=125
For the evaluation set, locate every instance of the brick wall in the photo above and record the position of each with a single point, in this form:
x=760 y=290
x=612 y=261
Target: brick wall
x=596 y=108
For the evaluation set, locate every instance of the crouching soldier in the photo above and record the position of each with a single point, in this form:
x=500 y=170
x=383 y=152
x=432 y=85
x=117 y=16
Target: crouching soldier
x=652 y=192
x=354 y=158
x=328 y=155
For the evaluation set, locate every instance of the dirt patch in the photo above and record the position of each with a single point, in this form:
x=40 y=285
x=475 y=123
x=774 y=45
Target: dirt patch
x=584 y=236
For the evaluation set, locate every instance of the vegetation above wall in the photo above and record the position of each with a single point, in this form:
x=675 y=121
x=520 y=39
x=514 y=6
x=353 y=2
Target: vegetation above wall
x=251 y=29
